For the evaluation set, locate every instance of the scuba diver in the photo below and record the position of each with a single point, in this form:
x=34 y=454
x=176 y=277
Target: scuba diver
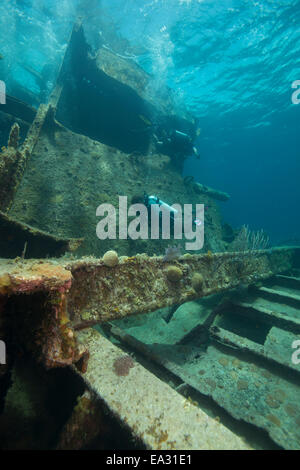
x=169 y=140
x=155 y=204
x=176 y=143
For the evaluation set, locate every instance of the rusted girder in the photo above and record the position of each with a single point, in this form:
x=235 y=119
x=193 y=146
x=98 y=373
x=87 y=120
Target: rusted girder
x=34 y=309
x=155 y=413
x=215 y=194
x=270 y=350
x=13 y=159
x=142 y=284
x=65 y=296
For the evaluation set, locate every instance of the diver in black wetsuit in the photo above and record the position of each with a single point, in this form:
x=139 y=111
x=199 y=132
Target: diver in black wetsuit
x=177 y=143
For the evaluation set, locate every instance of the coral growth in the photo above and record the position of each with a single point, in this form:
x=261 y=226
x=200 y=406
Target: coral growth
x=5 y=283
x=173 y=273
x=197 y=282
x=248 y=240
x=111 y=258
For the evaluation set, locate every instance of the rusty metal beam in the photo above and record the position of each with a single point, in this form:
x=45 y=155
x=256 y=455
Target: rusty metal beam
x=267 y=351
x=221 y=272
x=13 y=159
x=143 y=284
x=221 y=372
x=155 y=413
x=267 y=315
x=77 y=294
x=34 y=308
x=213 y=193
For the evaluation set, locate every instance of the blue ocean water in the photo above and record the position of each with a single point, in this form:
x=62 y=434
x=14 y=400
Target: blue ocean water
x=232 y=63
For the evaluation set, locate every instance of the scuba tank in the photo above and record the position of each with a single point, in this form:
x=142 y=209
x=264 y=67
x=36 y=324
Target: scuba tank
x=158 y=204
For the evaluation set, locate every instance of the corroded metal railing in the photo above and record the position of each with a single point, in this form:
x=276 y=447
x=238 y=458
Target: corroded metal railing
x=68 y=296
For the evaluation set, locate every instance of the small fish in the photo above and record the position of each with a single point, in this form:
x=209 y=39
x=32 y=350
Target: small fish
x=198 y=131
x=146 y=121
x=1 y=57
x=172 y=253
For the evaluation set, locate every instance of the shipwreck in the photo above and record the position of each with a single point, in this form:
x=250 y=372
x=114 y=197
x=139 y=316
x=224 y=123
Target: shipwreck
x=191 y=352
